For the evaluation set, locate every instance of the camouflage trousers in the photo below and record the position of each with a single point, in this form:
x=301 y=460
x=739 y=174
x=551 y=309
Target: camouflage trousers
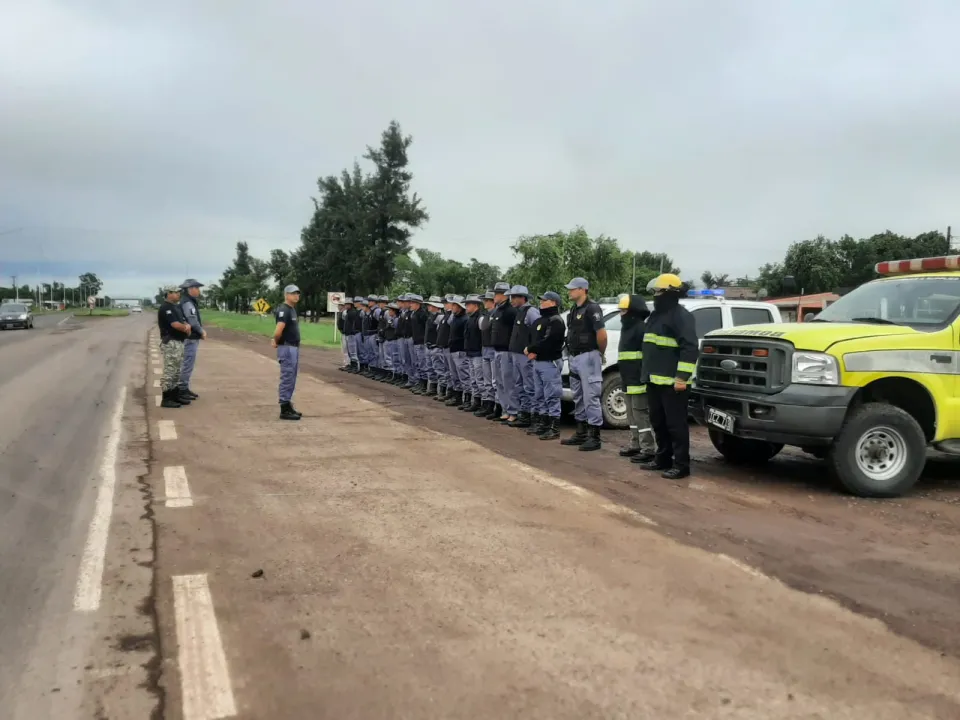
x=172 y=351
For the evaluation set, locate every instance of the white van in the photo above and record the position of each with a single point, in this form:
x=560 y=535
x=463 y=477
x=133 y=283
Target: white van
x=710 y=312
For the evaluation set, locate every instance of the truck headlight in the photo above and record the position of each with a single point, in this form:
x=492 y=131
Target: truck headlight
x=23 y=317
x=815 y=369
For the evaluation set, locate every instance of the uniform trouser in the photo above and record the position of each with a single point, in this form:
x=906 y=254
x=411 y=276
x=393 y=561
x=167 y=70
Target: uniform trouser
x=453 y=371
x=641 y=434
x=524 y=386
x=548 y=384
x=345 y=349
x=503 y=375
x=462 y=365
x=190 y=347
x=386 y=348
x=476 y=378
x=439 y=363
x=420 y=362
x=381 y=353
x=172 y=364
x=511 y=382
x=429 y=367
x=353 y=348
x=406 y=356
x=586 y=383
x=289 y=358
x=370 y=343
x=488 y=386
x=668 y=416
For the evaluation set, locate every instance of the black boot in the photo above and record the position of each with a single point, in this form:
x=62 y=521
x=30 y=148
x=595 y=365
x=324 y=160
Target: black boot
x=455 y=399
x=593 y=439
x=287 y=412
x=631 y=450
x=167 y=400
x=551 y=430
x=295 y=411
x=522 y=421
x=188 y=392
x=485 y=409
x=579 y=437
x=467 y=403
x=496 y=413
x=180 y=396
x=643 y=458
x=475 y=405
x=675 y=473
x=539 y=421
x=441 y=393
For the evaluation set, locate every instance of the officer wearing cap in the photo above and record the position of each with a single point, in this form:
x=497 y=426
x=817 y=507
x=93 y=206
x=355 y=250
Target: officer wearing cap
x=473 y=350
x=390 y=341
x=488 y=388
x=460 y=363
x=444 y=378
x=545 y=351
x=521 y=365
x=368 y=338
x=434 y=308
x=353 y=329
x=406 y=342
x=586 y=344
x=454 y=383
x=418 y=332
x=191 y=311
x=174 y=329
x=344 y=307
x=670 y=351
x=286 y=339
x=373 y=302
x=502 y=319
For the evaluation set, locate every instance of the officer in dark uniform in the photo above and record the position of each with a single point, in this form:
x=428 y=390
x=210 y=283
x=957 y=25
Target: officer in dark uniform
x=352 y=328
x=383 y=319
x=286 y=339
x=434 y=306
x=418 y=332
x=473 y=347
x=488 y=385
x=342 y=313
x=460 y=363
x=445 y=380
x=502 y=319
x=191 y=311
x=670 y=351
x=545 y=351
x=586 y=345
x=633 y=316
x=174 y=329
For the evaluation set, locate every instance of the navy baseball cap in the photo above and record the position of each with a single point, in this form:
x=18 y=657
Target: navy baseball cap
x=551 y=296
x=578 y=283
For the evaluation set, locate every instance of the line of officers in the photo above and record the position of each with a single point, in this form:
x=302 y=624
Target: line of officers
x=499 y=357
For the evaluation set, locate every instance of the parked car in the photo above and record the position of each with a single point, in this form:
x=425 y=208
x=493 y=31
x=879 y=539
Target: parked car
x=136 y=309
x=710 y=312
x=15 y=315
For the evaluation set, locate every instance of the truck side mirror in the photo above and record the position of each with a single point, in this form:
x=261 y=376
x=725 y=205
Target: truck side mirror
x=810 y=317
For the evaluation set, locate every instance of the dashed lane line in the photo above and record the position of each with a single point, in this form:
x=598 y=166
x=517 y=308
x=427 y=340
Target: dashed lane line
x=157 y=400
x=90 y=578
x=204 y=676
x=176 y=487
x=156 y=383
x=166 y=430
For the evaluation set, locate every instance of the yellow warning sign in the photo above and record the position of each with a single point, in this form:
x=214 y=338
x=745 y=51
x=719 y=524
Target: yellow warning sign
x=261 y=306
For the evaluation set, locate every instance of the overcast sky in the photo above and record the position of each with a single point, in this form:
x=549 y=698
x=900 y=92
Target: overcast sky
x=142 y=140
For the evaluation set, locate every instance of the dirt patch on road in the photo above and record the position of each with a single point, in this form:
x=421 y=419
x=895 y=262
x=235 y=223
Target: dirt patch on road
x=894 y=560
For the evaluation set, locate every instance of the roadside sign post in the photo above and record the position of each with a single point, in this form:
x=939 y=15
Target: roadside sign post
x=261 y=306
x=334 y=301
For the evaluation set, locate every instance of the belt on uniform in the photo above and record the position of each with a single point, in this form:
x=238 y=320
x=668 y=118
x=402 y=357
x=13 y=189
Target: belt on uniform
x=581 y=352
x=288 y=344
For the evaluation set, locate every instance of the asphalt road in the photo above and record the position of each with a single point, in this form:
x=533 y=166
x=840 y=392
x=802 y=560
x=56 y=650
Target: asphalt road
x=59 y=385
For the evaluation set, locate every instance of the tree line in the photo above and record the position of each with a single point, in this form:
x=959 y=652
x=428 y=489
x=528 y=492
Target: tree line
x=88 y=284
x=357 y=240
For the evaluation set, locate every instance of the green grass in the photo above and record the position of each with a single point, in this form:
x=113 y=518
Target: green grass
x=317 y=334
x=100 y=312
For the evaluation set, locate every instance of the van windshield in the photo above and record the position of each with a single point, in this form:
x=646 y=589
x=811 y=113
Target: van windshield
x=922 y=302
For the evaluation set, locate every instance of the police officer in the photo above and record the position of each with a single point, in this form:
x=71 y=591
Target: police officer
x=418 y=334
x=286 y=339
x=545 y=351
x=369 y=336
x=670 y=350
x=586 y=344
x=444 y=378
x=342 y=312
x=521 y=365
x=488 y=387
x=473 y=349
x=406 y=342
x=383 y=369
x=191 y=311
x=174 y=329
x=633 y=315
x=434 y=306
x=502 y=319
x=352 y=329
x=459 y=362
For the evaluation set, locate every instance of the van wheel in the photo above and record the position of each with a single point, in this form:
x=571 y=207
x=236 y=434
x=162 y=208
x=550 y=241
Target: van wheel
x=741 y=451
x=880 y=452
x=613 y=402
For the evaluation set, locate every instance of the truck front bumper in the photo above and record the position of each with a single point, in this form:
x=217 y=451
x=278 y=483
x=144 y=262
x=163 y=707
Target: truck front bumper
x=801 y=415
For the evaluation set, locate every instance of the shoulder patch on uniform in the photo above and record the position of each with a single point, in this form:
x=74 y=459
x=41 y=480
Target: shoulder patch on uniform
x=596 y=316
x=193 y=311
x=279 y=314
x=169 y=312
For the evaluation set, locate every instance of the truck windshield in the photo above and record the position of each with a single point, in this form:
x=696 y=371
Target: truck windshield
x=11 y=308
x=915 y=301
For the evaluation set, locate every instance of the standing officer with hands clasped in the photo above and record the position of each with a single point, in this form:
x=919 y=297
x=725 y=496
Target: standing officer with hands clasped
x=545 y=351
x=191 y=311
x=286 y=339
x=174 y=329
x=586 y=344
x=670 y=351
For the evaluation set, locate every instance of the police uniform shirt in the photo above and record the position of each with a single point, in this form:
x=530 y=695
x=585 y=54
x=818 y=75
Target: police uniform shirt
x=583 y=324
x=167 y=314
x=291 y=328
x=192 y=315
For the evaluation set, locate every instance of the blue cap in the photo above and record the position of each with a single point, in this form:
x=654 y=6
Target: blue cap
x=473 y=298
x=519 y=290
x=551 y=296
x=578 y=283
x=290 y=290
x=501 y=287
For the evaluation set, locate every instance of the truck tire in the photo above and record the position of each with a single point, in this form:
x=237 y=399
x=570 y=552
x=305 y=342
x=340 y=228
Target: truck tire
x=613 y=402
x=741 y=451
x=880 y=452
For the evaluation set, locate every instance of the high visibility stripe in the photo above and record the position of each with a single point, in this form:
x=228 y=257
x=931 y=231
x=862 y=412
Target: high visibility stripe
x=636 y=389
x=686 y=367
x=662 y=380
x=661 y=340
x=630 y=355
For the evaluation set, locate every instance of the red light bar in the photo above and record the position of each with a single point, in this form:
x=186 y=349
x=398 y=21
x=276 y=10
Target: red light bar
x=932 y=264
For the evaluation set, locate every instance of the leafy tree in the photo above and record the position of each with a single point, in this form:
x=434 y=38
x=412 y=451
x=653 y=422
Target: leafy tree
x=91 y=284
x=279 y=265
x=710 y=280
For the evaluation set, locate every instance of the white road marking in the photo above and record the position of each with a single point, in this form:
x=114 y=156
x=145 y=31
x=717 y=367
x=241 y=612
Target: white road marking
x=90 y=578
x=166 y=429
x=176 y=487
x=156 y=383
x=157 y=400
x=68 y=317
x=204 y=677
x=627 y=512
x=156 y=370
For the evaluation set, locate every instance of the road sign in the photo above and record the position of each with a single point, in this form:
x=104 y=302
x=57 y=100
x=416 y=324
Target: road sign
x=91 y=301
x=261 y=306
x=334 y=300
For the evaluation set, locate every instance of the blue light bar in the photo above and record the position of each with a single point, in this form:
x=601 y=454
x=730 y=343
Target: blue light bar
x=707 y=292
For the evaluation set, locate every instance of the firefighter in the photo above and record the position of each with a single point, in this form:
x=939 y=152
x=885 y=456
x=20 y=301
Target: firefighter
x=633 y=314
x=670 y=351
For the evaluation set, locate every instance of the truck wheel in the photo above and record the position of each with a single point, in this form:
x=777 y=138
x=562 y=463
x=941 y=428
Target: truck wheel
x=880 y=452
x=741 y=451
x=613 y=402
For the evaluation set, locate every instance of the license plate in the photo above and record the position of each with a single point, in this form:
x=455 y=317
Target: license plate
x=720 y=419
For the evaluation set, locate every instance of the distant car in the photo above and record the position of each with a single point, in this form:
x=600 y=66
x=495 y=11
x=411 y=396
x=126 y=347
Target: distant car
x=15 y=315
x=136 y=309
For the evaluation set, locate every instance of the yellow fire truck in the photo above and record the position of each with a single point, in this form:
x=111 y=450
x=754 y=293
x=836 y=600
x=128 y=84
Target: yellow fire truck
x=867 y=385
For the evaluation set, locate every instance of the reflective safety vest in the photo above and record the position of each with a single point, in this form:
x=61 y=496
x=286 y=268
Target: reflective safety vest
x=670 y=347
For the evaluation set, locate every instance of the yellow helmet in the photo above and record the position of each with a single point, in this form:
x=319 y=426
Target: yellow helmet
x=624 y=302
x=666 y=281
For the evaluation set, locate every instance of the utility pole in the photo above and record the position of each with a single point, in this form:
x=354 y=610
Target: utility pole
x=948 y=239
x=16 y=289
